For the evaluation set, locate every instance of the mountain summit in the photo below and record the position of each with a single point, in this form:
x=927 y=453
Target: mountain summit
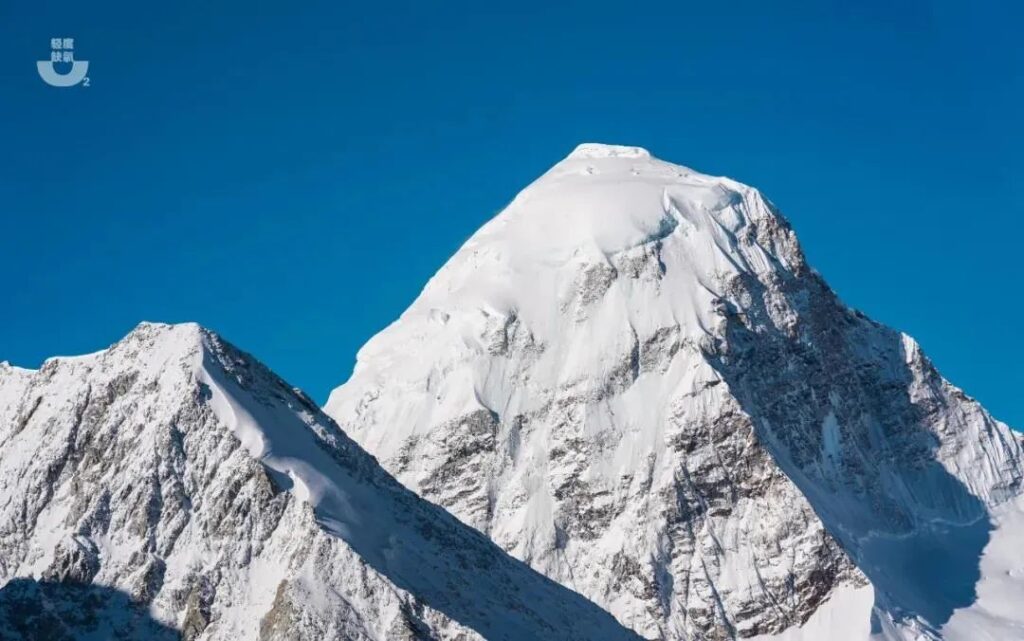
x=626 y=408
x=632 y=380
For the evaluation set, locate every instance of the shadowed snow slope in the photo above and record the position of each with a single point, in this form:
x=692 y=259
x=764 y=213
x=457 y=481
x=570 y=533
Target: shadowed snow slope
x=631 y=380
x=180 y=471
x=55 y=611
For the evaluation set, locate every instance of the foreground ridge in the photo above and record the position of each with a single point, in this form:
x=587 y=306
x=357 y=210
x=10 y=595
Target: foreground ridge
x=174 y=472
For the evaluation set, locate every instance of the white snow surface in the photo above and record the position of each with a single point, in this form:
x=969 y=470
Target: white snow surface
x=179 y=472
x=631 y=380
x=600 y=202
x=996 y=615
x=845 y=616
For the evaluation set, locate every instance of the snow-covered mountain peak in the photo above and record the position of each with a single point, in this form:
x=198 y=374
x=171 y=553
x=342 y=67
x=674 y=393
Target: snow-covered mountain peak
x=184 y=334
x=600 y=150
x=149 y=347
x=608 y=247
x=179 y=470
x=613 y=197
x=631 y=380
x=605 y=204
x=163 y=339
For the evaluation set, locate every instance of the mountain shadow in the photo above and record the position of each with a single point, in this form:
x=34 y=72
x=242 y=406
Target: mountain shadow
x=33 y=610
x=852 y=418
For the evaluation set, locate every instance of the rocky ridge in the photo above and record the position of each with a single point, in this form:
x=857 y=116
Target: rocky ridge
x=632 y=380
x=182 y=477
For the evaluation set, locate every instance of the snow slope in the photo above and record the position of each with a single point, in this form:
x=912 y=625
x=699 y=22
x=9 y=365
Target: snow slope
x=178 y=471
x=996 y=616
x=631 y=380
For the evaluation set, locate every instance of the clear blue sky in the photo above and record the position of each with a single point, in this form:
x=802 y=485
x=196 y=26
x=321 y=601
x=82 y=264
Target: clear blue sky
x=291 y=177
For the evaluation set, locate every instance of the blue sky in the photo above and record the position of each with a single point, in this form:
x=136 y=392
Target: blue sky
x=291 y=174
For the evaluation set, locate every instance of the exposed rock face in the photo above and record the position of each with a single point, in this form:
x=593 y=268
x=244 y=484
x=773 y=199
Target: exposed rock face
x=631 y=380
x=180 y=474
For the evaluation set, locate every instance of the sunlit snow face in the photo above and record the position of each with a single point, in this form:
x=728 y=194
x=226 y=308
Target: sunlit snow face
x=562 y=240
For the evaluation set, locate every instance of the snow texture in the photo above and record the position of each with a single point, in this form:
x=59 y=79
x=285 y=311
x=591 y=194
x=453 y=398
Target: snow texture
x=627 y=397
x=632 y=380
x=177 y=471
